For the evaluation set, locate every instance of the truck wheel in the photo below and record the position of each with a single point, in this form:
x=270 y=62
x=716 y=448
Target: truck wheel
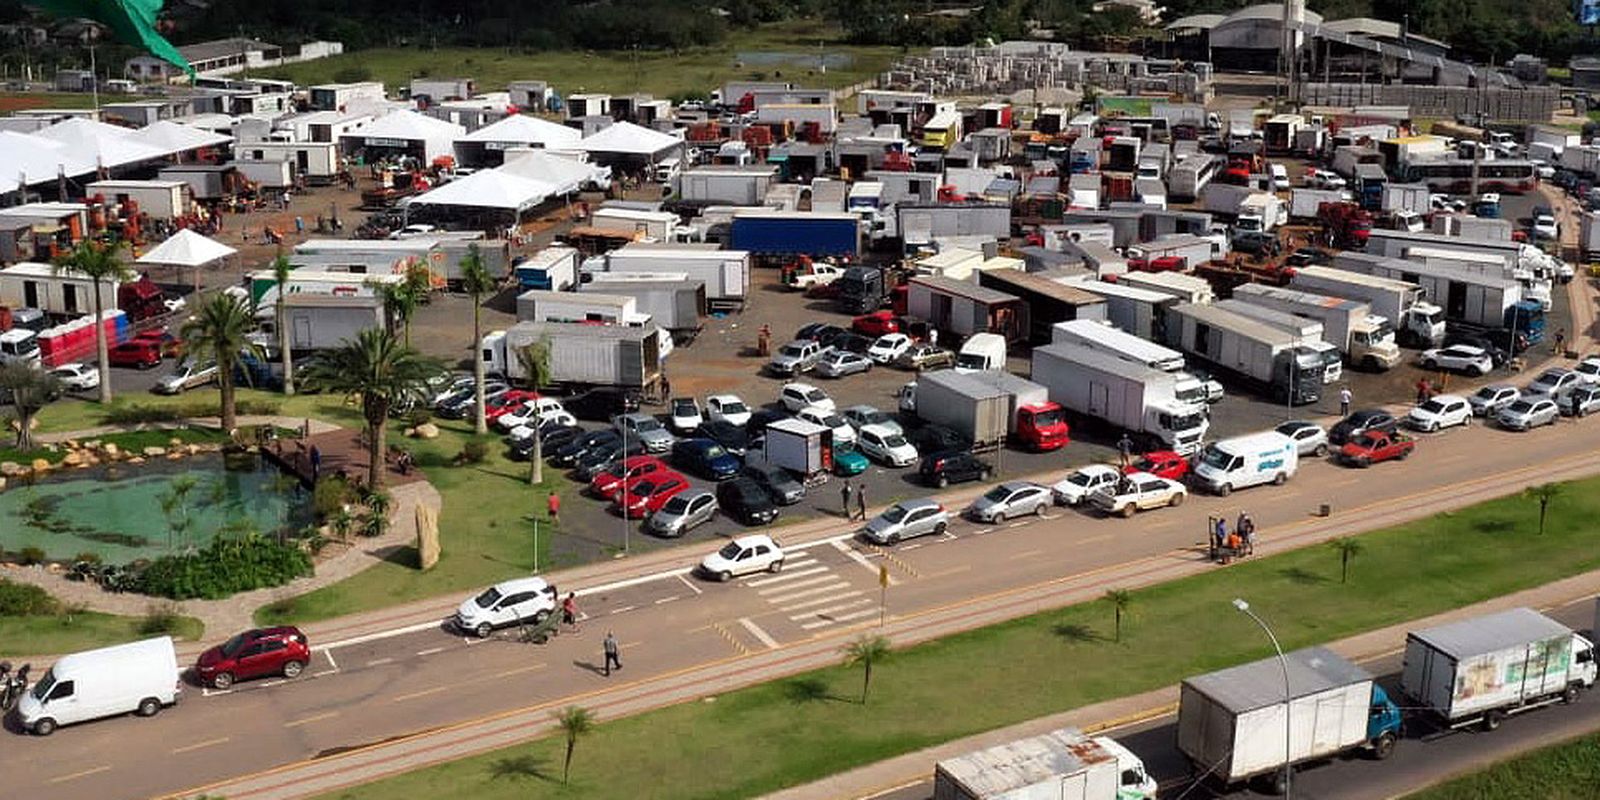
x=1127 y=511
x=1280 y=781
x=148 y=707
x=44 y=727
x=1383 y=746
x=540 y=616
x=1223 y=490
x=1570 y=694
x=1493 y=719
x=1280 y=479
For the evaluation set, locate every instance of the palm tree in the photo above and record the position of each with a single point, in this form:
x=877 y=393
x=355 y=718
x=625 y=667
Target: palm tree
x=99 y=263
x=1544 y=493
x=30 y=389
x=1119 y=600
x=280 y=274
x=866 y=651
x=402 y=300
x=575 y=721
x=221 y=331
x=1347 y=548
x=380 y=370
x=475 y=278
x=174 y=505
x=535 y=360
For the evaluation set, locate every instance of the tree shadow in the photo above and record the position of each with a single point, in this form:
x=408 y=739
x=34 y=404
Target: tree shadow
x=1493 y=526
x=1074 y=632
x=519 y=767
x=808 y=690
x=1303 y=576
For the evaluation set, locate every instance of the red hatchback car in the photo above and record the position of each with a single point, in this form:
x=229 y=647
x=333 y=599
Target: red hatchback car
x=138 y=353
x=877 y=323
x=610 y=482
x=254 y=654
x=1163 y=464
x=507 y=403
x=650 y=494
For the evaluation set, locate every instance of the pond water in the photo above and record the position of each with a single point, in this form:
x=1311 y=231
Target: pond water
x=129 y=511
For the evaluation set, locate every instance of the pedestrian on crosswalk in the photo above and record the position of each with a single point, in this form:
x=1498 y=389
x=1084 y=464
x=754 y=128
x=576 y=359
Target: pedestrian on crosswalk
x=844 y=497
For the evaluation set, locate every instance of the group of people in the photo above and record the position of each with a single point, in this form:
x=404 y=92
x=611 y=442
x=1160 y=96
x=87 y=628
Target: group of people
x=1227 y=545
x=861 y=500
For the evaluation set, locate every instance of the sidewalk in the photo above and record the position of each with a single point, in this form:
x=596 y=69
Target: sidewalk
x=874 y=779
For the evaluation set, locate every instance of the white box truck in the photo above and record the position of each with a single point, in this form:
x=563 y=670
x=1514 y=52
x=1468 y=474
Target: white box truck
x=1138 y=311
x=655 y=226
x=1416 y=322
x=805 y=448
x=1365 y=340
x=580 y=355
x=1099 y=335
x=1255 y=351
x=726 y=273
x=1589 y=236
x=137 y=677
x=1249 y=460
x=536 y=305
x=1187 y=288
x=1480 y=670
x=159 y=199
x=1304 y=203
x=1240 y=723
x=1307 y=334
x=318 y=321
x=1060 y=765
x=1136 y=398
x=1413 y=197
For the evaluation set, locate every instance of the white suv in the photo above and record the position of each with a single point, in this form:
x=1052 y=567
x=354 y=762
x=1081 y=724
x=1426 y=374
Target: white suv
x=507 y=603
x=742 y=556
x=796 y=396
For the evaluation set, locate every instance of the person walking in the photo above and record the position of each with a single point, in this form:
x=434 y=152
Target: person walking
x=1422 y=390
x=569 y=610
x=316 y=463
x=1561 y=342
x=861 y=499
x=844 y=498
x=553 y=507
x=1125 y=450
x=612 y=657
x=1344 y=401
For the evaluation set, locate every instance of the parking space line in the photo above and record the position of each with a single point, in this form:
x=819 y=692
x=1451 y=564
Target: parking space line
x=689 y=583
x=854 y=556
x=810 y=581
x=855 y=615
x=430 y=651
x=1102 y=537
x=666 y=599
x=199 y=745
x=329 y=654
x=378 y=662
x=624 y=608
x=756 y=631
x=1019 y=523
x=912 y=546
x=982 y=531
x=308 y=720
x=788 y=575
x=808 y=592
x=819 y=602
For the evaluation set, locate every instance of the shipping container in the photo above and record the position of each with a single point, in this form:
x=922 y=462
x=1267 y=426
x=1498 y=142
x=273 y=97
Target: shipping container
x=1061 y=765
x=725 y=273
x=768 y=233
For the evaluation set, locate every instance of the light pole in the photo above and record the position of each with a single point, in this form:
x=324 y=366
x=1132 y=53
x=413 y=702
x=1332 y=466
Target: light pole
x=1288 y=723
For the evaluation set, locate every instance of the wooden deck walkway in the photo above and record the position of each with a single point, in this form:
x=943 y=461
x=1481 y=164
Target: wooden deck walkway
x=341 y=451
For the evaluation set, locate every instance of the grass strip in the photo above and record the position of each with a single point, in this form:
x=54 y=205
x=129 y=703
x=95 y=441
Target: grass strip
x=73 y=631
x=812 y=725
x=1566 y=771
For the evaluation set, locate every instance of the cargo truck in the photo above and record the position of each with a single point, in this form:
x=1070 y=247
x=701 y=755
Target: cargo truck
x=1186 y=288
x=862 y=289
x=536 y=305
x=1481 y=670
x=1060 y=765
x=1224 y=198
x=1242 y=723
x=767 y=233
x=580 y=355
x=725 y=273
x=1191 y=175
x=1589 y=236
x=1306 y=204
x=1416 y=322
x=676 y=305
x=1260 y=212
x=1307 y=333
x=1258 y=353
x=1126 y=395
x=1104 y=337
x=1413 y=197
x=990 y=406
x=553 y=269
x=1141 y=312
x=1366 y=340
x=1482 y=303
x=805 y=448
x=655 y=226
x=1191 y=250
x=1280 y=131
x=319 y=321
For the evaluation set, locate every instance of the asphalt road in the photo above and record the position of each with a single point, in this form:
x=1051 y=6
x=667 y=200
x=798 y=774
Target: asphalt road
x=682 y=637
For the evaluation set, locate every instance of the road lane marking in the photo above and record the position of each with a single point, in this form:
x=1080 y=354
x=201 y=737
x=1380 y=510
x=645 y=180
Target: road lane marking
x=690 y=584
x=424 y=693
x=1027 y=554
x=329 y=654
x=1092 y=539
x=733 y=641
x=76 y=775
x=856 y=557
x=373 y=637
x=199 y=745
x=788 y=575
x=952 y=571
x=756 y=631
x=308 y=720
x=666 y=599
x=529 y=668
x=378 y=662
x=808 y=592
x=623 y=584
x=624 y=608
x=912 y=546
x=430 y=651
x=1019 y=523
x=818 y=602
x=811 y=581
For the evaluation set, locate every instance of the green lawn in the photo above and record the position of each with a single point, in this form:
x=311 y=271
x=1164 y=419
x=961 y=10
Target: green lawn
x=660 y=73
x=70 y=633
x=811 y=726
x=1567 y=771
x=132 y=442
x=16 y=101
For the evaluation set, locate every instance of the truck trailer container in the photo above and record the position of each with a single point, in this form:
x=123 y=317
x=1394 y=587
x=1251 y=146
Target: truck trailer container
x=1191 y=175
x=538 y=305
x=792 y=233
x=726 y=273
x=160 y=199
x=803 y=447
x=1305 y=203
x=1416 y=321
x=1307 y=333
x=553 y=269
x=1106 y=337
x=262 y=285
x=655 y=226
x=1061 y=765
x=1481 y=670
x=1243 y=722
x=1045 y=302
x=1589 y=236
x=1366 y=340
x=580 y=355
x=1413 y=197
x=1259 y=353
x=1121 y=393
x=59 y=293
x=1480 y=301
x=1141 y=312
x=730 y=185
x=1187 y=288
x=990 y=406
x=676 y=305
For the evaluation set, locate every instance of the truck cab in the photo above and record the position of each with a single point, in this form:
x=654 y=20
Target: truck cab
x=1422 y=325
x=1383 y=722
x=1042 y=427
x=1372 y=344
x=982 y=351
x=19 y=345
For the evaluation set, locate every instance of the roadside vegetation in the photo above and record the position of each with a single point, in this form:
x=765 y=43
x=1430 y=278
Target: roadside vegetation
x=32 y=622
x=1567 y=771
x=816 y=724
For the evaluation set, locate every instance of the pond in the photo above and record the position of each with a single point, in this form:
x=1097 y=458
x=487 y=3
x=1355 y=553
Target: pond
x=125 y=512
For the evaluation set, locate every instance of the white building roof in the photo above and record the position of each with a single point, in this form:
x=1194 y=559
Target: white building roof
x=187 y=249
x=523 y=129
x=629 y=139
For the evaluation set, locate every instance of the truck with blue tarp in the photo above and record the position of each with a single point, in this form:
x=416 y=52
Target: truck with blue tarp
x=796 y=233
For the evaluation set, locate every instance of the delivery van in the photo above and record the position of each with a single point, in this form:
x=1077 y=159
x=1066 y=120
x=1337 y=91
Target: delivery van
x=982 y=351
x=138 y=677
x=1250 y=460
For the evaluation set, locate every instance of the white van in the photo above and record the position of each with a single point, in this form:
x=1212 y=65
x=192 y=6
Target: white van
x=1250 y=460
x=667 y=169
x=1280 y=177
x=982 y=351
x=138 y=677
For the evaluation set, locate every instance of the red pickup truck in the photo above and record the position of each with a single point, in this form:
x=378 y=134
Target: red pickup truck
x=1374 y=446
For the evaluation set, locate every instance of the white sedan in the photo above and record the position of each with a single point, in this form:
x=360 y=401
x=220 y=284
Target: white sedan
x=886 y=445
x=1465 y=358
x=1077 y=487
x=888 y=347
x=76 y=377
x=728 y=407
x=532 y=412
x=1439 y=412
x=742 y=556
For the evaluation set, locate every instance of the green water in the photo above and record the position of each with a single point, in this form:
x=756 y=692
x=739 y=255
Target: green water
x=126 y=512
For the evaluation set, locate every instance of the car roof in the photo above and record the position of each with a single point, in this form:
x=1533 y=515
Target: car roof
x=521 y=585
x=724 y=398
x=754 y=539
x=798 y=387
x=920 y=502
x=1016 y=485
x=1097 y=469
x=1297 y=425
x=878 y=429
x=1369 y=413
x=1465 y=347
x=1447 y=398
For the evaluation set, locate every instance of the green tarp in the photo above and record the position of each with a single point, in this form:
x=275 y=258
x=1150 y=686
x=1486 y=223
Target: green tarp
x=133 y=22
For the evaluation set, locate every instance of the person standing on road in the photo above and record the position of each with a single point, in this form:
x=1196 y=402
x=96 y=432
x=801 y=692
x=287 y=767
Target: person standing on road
x=612 y=658
x=1561 y=342
x=1344 y=402
x=1246 y=528
x=844 y=498
x=1219 y=537
x=569 y=610
x=1125 y=449
x=861 y=499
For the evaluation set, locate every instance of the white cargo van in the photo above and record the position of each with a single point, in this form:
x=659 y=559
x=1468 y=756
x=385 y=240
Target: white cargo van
x=982 y=351
x=1250 y=460
x=138 y=677
x=667 y=169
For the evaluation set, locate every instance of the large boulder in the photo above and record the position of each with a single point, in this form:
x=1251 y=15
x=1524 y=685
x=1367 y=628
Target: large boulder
x=427 y=430
x=111 y=450
x=41 y=465
x=73 y=458
x=11 y=469
x=154 y=452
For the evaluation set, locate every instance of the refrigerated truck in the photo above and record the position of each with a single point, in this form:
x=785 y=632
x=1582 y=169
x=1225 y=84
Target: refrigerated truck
x=1466 y=297
x=1104 y=337
x=1259 y=353
x=795 y=444
x=1243 y=722
x=1060 y=765
x=580 y=355
x=989 y=406
x=1481 y=670
x=642 y=225
x=1126 y=395
x=1415 y=320
x=1365 y=340
x=726 y=273
x=1138 y=311
x=1307 y=333
x=1187 y=288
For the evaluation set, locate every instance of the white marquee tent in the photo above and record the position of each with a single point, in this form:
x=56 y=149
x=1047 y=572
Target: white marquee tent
x=525 y=131
x=188 y=249
x=627 y=140
x=406 y=130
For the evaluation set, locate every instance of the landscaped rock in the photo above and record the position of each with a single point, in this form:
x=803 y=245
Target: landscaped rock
x=41 y=465
x=136 y=460
x=193 y=449
x=174 y=442
x=11 y=469
x=154 y=451
x=92 y=444
x=427 y=430
x=111 y=450
x=73 y=459
x=2 y=484
x=71 y=444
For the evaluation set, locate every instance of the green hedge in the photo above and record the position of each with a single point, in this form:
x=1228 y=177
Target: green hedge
x=136 y=413
x=225 y=567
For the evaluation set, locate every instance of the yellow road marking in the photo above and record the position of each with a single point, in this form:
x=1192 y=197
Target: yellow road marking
x=311 y=719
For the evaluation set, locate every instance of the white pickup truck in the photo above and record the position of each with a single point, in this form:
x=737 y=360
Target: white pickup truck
x=802 y=277
x=1138 y=491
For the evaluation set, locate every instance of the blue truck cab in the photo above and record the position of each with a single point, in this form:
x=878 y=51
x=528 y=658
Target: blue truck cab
x=1383 y=722
x=1526 y=317
x=1487 y=206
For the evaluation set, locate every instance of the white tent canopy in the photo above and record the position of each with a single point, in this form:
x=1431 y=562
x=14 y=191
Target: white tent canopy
x=565 y=175
x=175 y=138
x=626 y=138
x=489 y=189
x=521 y=129
x=438 y=137
x=27 y=159
x=187 y=249
x=107 y=145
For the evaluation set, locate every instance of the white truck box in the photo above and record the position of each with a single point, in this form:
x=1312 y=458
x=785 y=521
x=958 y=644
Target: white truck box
x=1097 y=335
x=1138 y=311
x=1254 y=350
x=1413 y=197
x=1130 y=396
x=1304 y=202
x=1061 y=765
x=1224 y=198
x=536 y=305
x=581 y=355
x=1194 y=250
x=1386 y=297
x=1589 y=235
x=1348 y=325
x=266 y=174
x=1187 y=288
x=1307 y=333
x=159 y=199
x=652 y=225
x=726 y=273
x=967 y=404
x=1500 y=663
x=64 y=293
x=798 y=445
x=676 y=305
x=110 y=681
x=322 y=321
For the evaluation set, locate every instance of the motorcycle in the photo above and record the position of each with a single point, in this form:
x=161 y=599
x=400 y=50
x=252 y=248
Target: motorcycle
x=17 y=686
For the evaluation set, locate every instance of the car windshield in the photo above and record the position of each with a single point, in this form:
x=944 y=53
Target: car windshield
x=733 y=408
x=792 y=350
x=729 y=550
x=1080 y=479
x=997 y=494
x=1432 y=407
x=1215 y=458
x=1488 y=393
x=715 y=451
x=815 y=396
x=684 y=408
x=647 y=425
x=894 y=514
x=894 y=440
x=676 y=505
x=1290 y=428
x=833 y=421
x=1520 y=407
x=489 y=597
x=232 y=645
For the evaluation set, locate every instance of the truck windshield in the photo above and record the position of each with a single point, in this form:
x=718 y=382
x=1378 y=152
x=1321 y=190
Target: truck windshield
x=1179 y=423
x=792 y=350
x=1191 y=393
x=1049 y=419
x=41 y=690
x=972 y=361
x=1217 y=458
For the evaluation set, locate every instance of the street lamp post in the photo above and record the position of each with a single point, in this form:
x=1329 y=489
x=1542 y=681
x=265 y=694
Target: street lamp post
x=1288 y=699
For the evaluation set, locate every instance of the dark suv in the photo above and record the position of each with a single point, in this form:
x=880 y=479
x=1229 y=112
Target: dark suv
x=953 y=466
x=1359 y=422
x=254 y=654
x=746 y=501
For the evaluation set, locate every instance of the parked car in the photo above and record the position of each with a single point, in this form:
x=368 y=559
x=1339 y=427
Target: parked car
x=504 y=403
x=746 y=501
x=189 y=374
x=1368 y=419
x=460 y=404
x=1588 y=370
x=886 y=349
x=1528 y=412
x=864 y=415
x=77 y=377
x=1464 y=358
x=886 y=445
x=798 y=356
x=1310 y=439
x=727 y=407
x=1076 y=487
x=818 y=331
x=532 y=411
x=1439 y=412
x=795 y=396
x=255 y=653
x=1162 y=463
x=938 y=438
x=568 y=454
x=684 y=415
x=136 y=354
x=600 y=458
x=847 y=460
x=733 y=438
x=851 y=342
x=1488 y=401
x=1376 y=446
x=1010 y=499
x=646 y=429
x=779 y=484
x=1496 y=350
x=609 y=482
x=550 y=439
x=840 y=363
x=744 y=555
x=650 y=494
x=828 y=418
x=705 y=458
x=925 y=356
x=1582 y=401
x=762 y=417
x=907 y=519
x=504 y=604
x=876 y=323
x=1136 y=492
x=1554 y=383
x=682 y=513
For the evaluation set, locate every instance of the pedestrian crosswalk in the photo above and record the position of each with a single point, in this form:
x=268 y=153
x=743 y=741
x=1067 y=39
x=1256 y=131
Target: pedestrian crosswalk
x=811 y=594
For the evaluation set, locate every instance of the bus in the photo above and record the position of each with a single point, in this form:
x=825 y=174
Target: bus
x=1454 y=176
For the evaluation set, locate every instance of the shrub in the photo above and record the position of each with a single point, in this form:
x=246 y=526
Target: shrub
x=330 y=496
x=87 y=557
x=473 y=452
x=26 y=600
x=225 y=567
x=159 y=619
x=31 y=555
x=137 y=413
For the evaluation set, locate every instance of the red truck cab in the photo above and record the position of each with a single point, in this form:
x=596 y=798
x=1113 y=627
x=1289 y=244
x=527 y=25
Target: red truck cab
x=1374 y=446
x=1042 y=427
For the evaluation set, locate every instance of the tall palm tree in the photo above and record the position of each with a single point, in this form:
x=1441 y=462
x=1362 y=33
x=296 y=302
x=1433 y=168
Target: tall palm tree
x=30 y=389
x=575 y=721
x=1544 y=493
x=100 y=263
x=402 y=300
x=475 y=278
x=535 y=360
x=280 y=274
x=220 y=330
x=1347 y=548
x=1119 y=600
x=865 y=652
x=381 y=370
